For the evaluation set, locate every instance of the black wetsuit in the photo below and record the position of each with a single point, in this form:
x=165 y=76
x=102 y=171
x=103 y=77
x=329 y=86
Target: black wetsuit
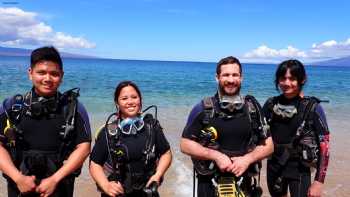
x=294 y=174
x=134 y=161
x=234 y=135
x=41 y=136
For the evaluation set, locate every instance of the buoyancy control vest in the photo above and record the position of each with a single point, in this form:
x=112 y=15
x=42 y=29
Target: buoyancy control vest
x=209 y=134
x=34 y=162
x=117 y=167
x=304 y=145
x=231 y=186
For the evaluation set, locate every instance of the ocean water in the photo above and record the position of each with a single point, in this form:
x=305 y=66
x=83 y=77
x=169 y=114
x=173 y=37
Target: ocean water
x=175 y=87
x=168 y=84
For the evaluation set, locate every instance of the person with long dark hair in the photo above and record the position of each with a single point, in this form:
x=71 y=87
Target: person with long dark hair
x=131 y=153
x=300 y=133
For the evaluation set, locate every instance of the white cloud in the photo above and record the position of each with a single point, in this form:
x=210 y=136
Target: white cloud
x=266 y=52
x=325 y=50
x=330 y=48
x=18 y=27
x=63 y=40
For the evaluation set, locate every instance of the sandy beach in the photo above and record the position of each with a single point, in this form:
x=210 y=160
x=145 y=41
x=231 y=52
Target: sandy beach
x=174 y=51
x=178 y=180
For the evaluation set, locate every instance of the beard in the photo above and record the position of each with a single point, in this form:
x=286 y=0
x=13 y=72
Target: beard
x=222 y=91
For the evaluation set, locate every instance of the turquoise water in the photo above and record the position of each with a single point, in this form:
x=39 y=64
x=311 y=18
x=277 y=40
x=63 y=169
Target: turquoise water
x=175 y=87
x=168 y=84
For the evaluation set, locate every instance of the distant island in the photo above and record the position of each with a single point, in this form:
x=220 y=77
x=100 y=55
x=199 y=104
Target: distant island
x=344 y=61
x=7 y=51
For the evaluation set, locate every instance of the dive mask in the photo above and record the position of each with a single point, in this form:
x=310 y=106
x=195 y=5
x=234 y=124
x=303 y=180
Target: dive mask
x=131 y=125
x=232 y=103
x=284 y=111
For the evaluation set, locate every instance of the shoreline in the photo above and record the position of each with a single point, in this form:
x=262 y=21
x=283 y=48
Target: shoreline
x=178 y=180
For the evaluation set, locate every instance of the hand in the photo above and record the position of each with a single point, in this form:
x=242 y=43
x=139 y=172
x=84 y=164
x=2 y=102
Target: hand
x=154 y=178
x=113 y=188
x=47 y=186
x=222 y=161
x=239 y=165
x=315 y=189
x=26 y=184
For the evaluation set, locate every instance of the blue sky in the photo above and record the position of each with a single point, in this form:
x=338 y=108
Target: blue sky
x=189 y=30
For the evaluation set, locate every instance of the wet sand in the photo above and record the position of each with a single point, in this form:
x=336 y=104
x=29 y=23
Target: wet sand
x=178 y=180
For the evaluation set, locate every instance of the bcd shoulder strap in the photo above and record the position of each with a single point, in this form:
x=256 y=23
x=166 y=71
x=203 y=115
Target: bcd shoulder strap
x=116 y=152
x=306 y=114
x=69 y=99
x=257 y=119
x=270 y=104
x=14 y=108
x=114 y=143
x=149 y=151
x=260 y=131
x=310 y=105
x=209 y=110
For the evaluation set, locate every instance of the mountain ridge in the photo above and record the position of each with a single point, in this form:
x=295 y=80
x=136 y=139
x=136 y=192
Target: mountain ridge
x=343 y=61
x=7 y=51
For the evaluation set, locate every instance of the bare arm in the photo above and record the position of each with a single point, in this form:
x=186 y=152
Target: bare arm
x=24 y=183
x=194 y=149
x=163 y=165
x=74 y=161
x=241 y=164
x=111 y=188
x=261 y=151
x=96 y=172
x=7 y=166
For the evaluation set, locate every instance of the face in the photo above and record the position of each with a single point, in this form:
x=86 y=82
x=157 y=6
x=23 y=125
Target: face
x=289 y=85
x=129 y=102
x=229 y=79
x=46 y=77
